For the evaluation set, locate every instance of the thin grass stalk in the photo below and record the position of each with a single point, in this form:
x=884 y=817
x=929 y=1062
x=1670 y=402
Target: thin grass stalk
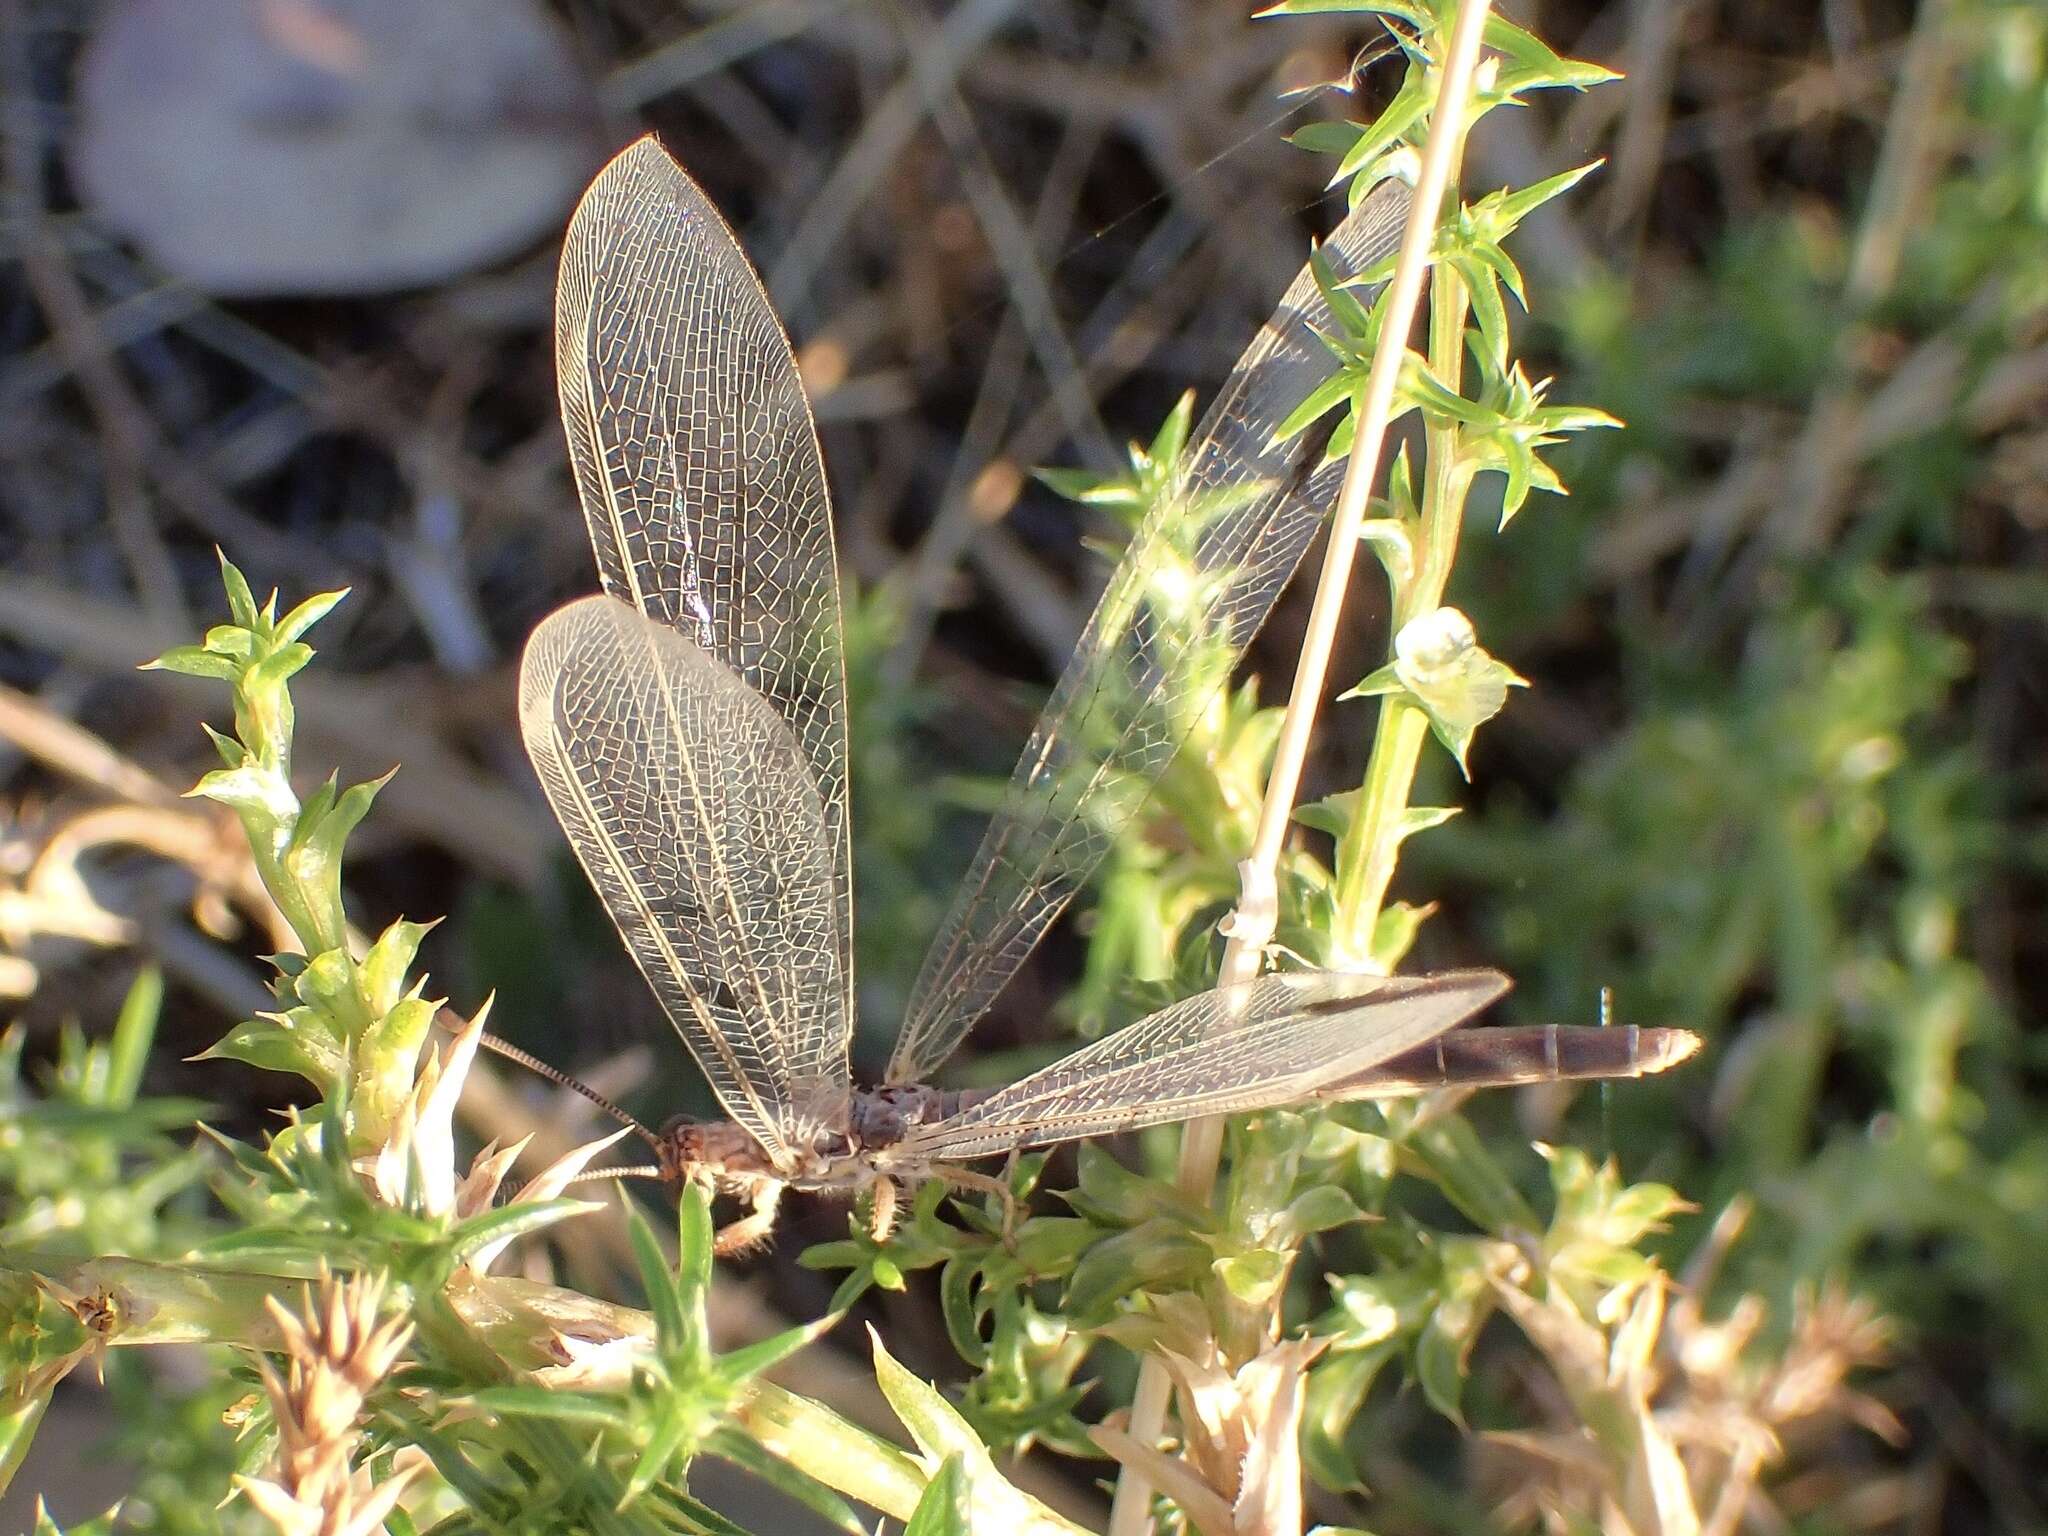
x=1252 y=924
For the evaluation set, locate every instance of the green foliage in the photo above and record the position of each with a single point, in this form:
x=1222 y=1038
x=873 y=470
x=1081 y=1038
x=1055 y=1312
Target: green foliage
x=536 y=1409
x=1786 y=844
x=1844 y=828
x=350 y=1025
x=86 y=1165
x=181 y=1442
x=1027 y=1307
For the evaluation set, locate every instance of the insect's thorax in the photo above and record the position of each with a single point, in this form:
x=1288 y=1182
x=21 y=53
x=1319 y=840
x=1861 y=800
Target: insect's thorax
x=838 y=1157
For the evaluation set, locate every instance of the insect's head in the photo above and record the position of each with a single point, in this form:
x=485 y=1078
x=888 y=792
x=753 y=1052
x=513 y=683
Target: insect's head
x=681 y=1152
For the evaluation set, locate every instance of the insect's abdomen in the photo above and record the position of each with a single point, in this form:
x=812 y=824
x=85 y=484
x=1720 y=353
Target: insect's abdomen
x=1505 y=1057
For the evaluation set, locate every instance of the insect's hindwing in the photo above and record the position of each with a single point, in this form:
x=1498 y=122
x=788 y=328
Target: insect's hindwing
x=1288 y=1038
x=1193 y=587
x=694 y=812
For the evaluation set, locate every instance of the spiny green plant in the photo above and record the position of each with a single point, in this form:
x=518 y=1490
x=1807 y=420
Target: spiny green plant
x=507 y=1405
x=1822 y=731
x=502 y=1405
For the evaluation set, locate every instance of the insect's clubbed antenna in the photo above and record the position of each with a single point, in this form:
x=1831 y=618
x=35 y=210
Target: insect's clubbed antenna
x=555 y=1075
x=635 y=1171
x=688 y=726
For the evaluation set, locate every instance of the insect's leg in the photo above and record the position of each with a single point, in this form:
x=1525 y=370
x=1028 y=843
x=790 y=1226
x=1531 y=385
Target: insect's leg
x=982 y=1184
x=1009 y=1183
x=882 y=1208
x=751 y=1230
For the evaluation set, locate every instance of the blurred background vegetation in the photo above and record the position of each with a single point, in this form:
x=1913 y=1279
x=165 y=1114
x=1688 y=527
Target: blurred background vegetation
x=276 y=276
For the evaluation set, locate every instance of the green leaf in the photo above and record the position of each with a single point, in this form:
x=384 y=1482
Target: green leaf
x=695 y=1244
x=234 y=641
x=1325 y=397
x=1159 y=1254
x=315 y=807
x=1410 y=104
x=1337 y=1388
x=19 y=1420
x=1381 y=1308
x=504 y=1222
x=1089 y=488
x=1334 y=137
x=1453 y=1326
x=195 y=661
x=750 y=1360
x=326 y=984
x=260 y=795
x=1345 y=306
x=314 y=857
x=703 y=1519
x=664 y=1445
x=935 y=1424
x=1441 y=666
x=944 y=1510
x=737 y=1447
x=1394 y=932
x=1319 y=1208
x=1115 y=1196
x=1171 y=440
x=1420 y=818
x=382 y=971
x=241 y=601
x=231 y=751
x=956 y=1307
x=127 y=1125
x=1469 y=1175
x=390 y=1048
x=263 y=716
x=308 y=613
x=657 y=1280
x=270 y=674
x=846 y=1253
x=1254 y=1278
x=554 y=1403
x=1500 y=212
x=134 y=1030
x=1068 y=483
x=275 y=1046
x=1333 y=814
x=853 y=1287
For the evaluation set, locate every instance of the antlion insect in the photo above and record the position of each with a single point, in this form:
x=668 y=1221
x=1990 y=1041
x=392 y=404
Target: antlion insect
x=689 y=727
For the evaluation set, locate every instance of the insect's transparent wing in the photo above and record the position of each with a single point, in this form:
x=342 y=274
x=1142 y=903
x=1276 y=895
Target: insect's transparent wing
x=1281 y=1039
x=695 y=813
x=1195 y=584
x=697 y=460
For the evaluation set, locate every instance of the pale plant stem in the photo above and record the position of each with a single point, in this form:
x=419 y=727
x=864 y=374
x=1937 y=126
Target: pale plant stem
x=1252 y=928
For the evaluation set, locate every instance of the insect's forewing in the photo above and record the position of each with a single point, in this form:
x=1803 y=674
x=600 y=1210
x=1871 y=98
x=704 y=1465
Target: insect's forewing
x=695 y=812
x=1290 y=1038
x=699 y=467
x=1195 y=584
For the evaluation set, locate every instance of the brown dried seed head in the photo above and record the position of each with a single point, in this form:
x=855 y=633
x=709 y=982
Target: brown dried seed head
x=337 y=1351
